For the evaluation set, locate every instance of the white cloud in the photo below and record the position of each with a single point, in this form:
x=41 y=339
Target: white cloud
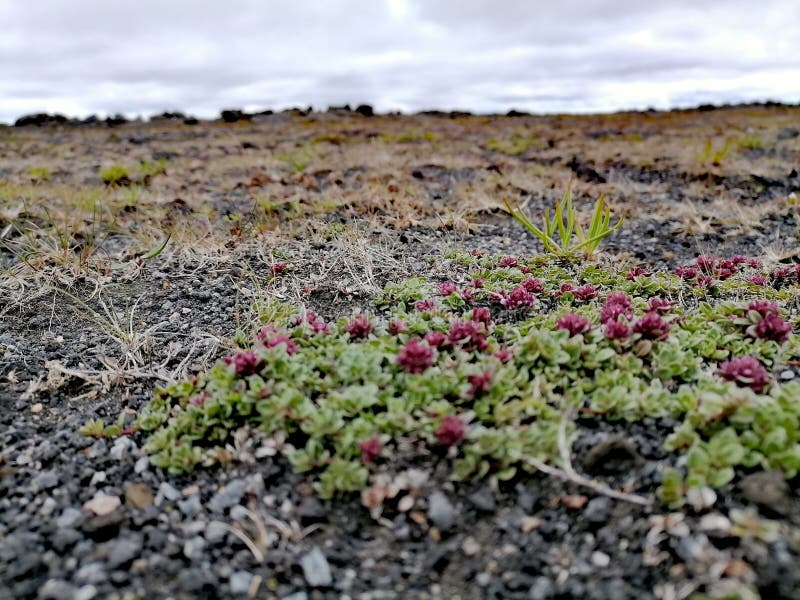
x=146 y=56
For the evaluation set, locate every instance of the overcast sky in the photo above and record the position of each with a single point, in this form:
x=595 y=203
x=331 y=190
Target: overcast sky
x=141 y=57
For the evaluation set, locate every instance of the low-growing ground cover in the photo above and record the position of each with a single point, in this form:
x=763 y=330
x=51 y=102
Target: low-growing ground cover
x=259 y=359
x=490 y=369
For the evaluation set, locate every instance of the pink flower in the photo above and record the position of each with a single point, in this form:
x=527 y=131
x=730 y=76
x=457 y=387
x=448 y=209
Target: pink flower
x=425 y=305
x=503 y=355
x=616 y=330
x=435 y=338
x=278 y=268
x=397 y=326
x=758 y=280
x=738 y=259
x=565 y=288
x=476 y=252
x=651 y=327
x=245 y=363
x=745 y=371
x=371 y=449
x=519 y=298
x=704 y=281
x=617 y=304
x=636 y=272
x=659 y=305
x=586 y=292
x=686 y=272
x=754 y=263
x=771 y=327
x=451 y=431
x=415 y=356
x=533 y=285
x=468 y=335
x=479 y=384
x=525 y=270
x=448 y=288
x=508 y=261
x=313 y=320
x=706 y=263
x=482 y=315
x=359 y=328
x=477 y=283
x=574 y=324
x=276 y=340
x=763 y=308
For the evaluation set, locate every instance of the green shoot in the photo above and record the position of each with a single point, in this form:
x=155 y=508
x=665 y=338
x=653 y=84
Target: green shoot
x=571 y=238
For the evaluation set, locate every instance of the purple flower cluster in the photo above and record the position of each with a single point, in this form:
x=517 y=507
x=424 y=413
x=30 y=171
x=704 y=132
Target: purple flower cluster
x=359 y=328
x=651 y=327
x=469 y=335
x=245 y=363
x=518 y=299
x=479 y=384
x=574 y=324
x=415 y=356
x=745 y=371
x=617 y=305
x=271 y=338
x=313 y=320
x=451 y=431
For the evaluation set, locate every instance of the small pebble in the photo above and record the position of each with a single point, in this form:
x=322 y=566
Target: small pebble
x=600 y=559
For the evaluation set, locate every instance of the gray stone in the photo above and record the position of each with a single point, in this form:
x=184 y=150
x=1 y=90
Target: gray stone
x=71 y=517
x=441 y=511
x=87 y=592
x=193 y=548
x=229 y=496
x=316 y=569
x=167 y=492
x=56 y=589
x=240 y=582
x=484 y=500
x=541 y=589
x=190 y=506
x=768 y=489
x=122 y=445
x=598 y=510
x=215 y=532
x=296 y=596
x=123 y=550
x=44 y=481
x=91 y=573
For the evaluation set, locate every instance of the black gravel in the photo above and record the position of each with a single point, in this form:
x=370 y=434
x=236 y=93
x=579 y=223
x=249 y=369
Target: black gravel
x=533 y=537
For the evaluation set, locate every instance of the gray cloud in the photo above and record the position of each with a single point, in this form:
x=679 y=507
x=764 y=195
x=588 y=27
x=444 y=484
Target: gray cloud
x=577 y=55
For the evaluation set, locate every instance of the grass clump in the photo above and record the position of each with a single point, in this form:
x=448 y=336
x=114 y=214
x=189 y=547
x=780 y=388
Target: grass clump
x=563 y=235
x=115 y=176
x=494 y=375
x=40 y=174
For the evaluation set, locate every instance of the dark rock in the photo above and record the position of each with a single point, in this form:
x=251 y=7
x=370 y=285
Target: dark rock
x=614 y=455
x=311 y=510
x=788 y=133
x=102 y=528
x=365 y=110
x=598 y=510
x=768 y=489
x=39 y=120
x=234 y=115
x=484 y=500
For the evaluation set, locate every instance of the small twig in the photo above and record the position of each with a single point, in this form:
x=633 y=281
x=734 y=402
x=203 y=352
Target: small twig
x=568 y=473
